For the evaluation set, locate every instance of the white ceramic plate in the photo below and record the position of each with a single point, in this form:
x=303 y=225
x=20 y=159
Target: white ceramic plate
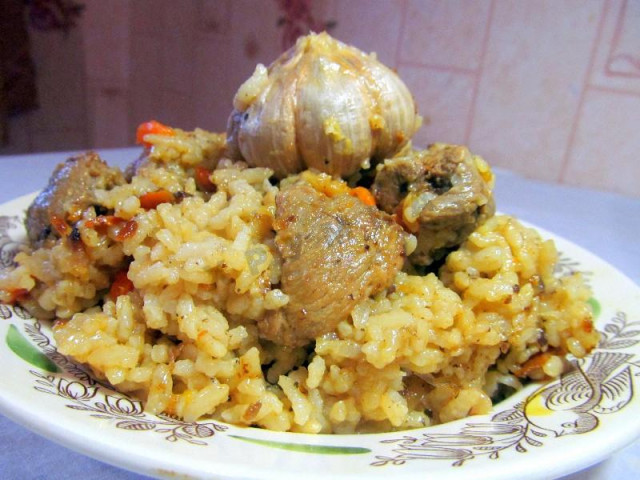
x=525 y=436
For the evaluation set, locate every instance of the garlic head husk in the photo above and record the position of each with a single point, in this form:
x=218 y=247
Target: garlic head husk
x=323 y=105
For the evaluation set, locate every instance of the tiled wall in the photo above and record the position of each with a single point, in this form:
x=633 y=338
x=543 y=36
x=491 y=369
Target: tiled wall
x=550 y=89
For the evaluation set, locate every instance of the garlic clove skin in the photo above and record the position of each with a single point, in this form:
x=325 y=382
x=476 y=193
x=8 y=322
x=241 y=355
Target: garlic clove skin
x=332 y=118
x=398 y=118
x=323 y=105
x=267 y=136
x=250 y=89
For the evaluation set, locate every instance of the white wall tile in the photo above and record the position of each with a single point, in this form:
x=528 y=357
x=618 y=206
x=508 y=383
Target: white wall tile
x=446 y=117
x=605 y=153
x=445 y=33
x=372 y=26
x=533 y=74
x=617 y=62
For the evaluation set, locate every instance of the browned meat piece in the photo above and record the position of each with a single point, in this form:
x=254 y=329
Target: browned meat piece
x=336 y=252
x=68 y=194
x=441 y=195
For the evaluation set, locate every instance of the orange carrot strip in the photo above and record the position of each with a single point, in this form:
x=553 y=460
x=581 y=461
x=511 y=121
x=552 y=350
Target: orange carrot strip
x=60 y=225
x=121 y=285
x=202 y=179
x=17 y=295
x=152 y=127
x=102 y=222
x=151 y=200
x=364 y=195
x=127 y=230
x=398 y=216
x=534 y=363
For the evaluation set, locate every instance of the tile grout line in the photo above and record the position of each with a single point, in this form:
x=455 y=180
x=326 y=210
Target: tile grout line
x=586 y=85
x=615 y=40
x=614 y=90
x=478 y=75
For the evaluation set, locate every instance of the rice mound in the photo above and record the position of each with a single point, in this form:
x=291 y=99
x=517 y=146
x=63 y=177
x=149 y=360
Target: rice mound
x=428 y=350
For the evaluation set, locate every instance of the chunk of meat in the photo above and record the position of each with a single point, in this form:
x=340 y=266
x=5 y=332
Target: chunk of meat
x=69 y=192
x=336 y=252
x=440 y=194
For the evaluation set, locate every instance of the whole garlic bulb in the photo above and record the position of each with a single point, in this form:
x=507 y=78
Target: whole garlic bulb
x=324 y=105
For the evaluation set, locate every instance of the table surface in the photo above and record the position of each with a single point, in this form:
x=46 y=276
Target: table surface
x=606 y=224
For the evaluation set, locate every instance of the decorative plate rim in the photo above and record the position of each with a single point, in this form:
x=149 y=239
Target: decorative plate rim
x=515 y=426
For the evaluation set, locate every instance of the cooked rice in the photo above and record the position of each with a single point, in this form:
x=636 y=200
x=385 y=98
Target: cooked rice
x=430 y=349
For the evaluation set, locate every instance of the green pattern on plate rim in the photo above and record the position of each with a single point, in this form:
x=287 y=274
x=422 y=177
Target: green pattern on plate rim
x=26 y=351
x=305 y=447
x=595 y=307
x=599 y=385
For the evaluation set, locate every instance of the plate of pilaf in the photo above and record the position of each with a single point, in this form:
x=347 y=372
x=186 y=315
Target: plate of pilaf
x=309 y=294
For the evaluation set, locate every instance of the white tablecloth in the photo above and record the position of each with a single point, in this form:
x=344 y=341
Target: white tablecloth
x=606 y=224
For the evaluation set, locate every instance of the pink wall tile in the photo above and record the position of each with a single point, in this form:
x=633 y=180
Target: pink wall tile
x=59 y=61
x=617 y=61
x=549 y=89
x=178 y=109
x=214 y=84
x=147 y=17
x=179 y=44
x=446 y=117
x=444 y=33
x=255 y=38
x=109 y=115
x=370 y=27
x=20 y=135
x=106 y=31
x=624 y=56
x=214 y=17
x=605 y=155
x=146 y=81
x=106 y=28
x=223 y=62
x=59 y=140
x=111 y=16
x=178 y=60
x=178 y=16
x=532 y=77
